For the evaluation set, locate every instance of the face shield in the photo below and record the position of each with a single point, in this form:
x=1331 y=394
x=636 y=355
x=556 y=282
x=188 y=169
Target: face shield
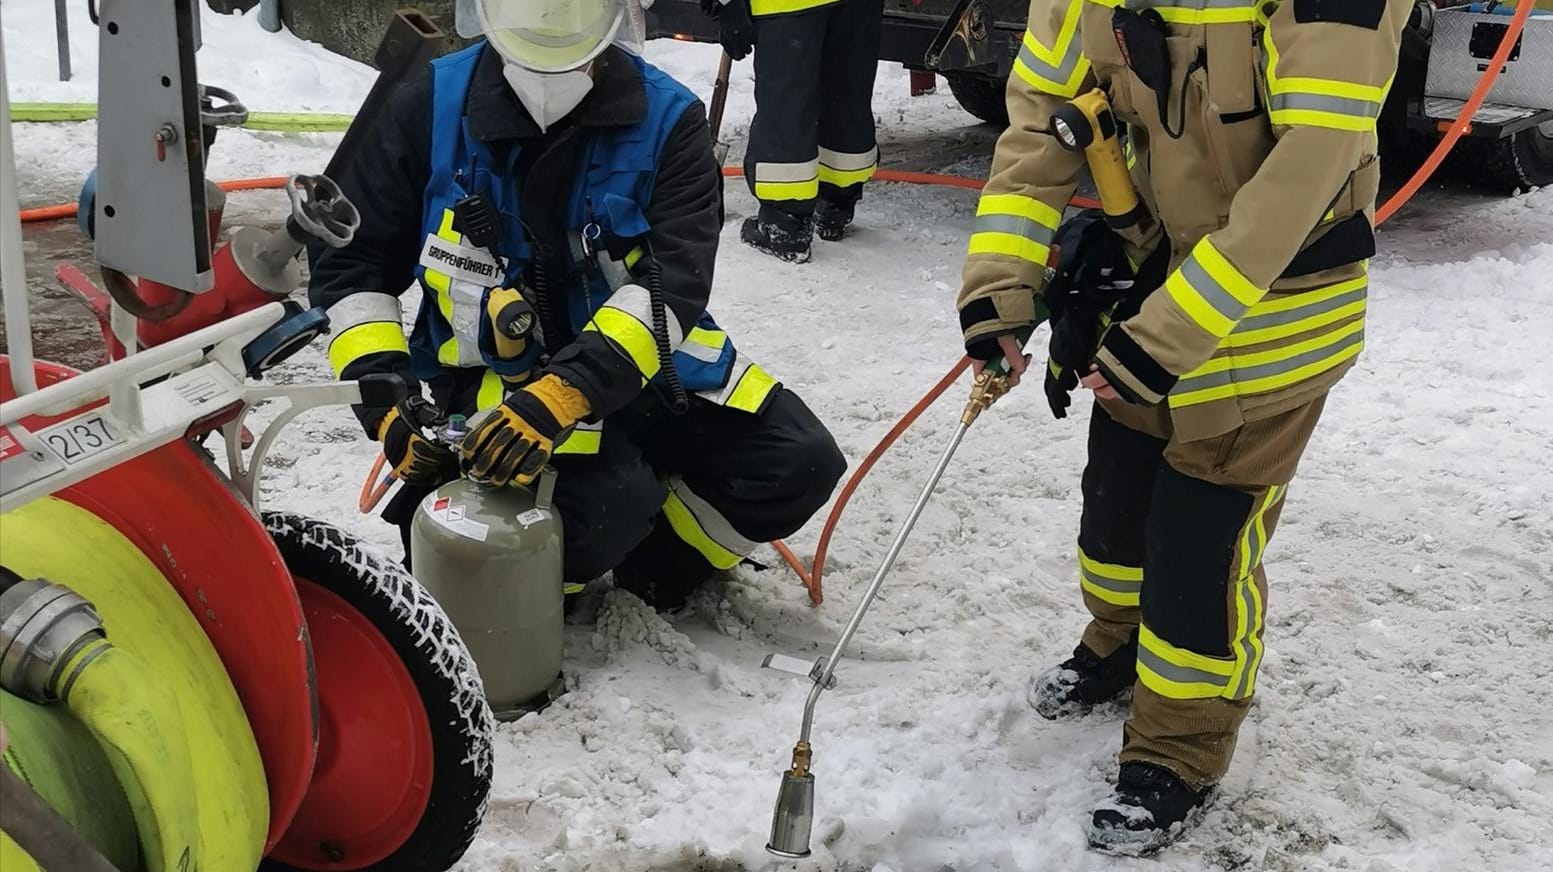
x=552 y=36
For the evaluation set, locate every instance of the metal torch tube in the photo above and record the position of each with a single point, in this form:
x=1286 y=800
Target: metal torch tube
x=13 y=276
x=884 y=569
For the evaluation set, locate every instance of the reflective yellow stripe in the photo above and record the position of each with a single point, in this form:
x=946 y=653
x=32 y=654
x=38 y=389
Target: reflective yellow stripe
x=1211 y=291
x=1312 y=102
x=1249 y=608
x=584 y=439
x=778 y=7
x=1021 y=206
x=1060 y=69
x=709 y=338
x=844 y=169
x=787 y=181
x=1193 y=11
x=1177 y=673
x=1264 y=371
x=491 y=392
x=685 y=526
x=632 y=337
x=754 y=386
x=806 y=190
x=1271 y=320
x=363 y=339
x=1110 y=582
x=441 y=286
x=1013 y=225
x=845 y=178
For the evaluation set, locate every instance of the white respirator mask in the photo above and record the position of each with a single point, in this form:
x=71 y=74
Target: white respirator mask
x=548 y=46
x=548 y=97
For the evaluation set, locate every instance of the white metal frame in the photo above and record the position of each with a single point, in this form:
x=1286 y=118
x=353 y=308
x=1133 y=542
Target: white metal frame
x=195 y=376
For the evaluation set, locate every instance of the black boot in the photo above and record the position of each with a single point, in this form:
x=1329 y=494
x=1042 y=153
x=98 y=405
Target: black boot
x=779 y=234
x=1150 y=808
x=831 y=220
x=1076 y=685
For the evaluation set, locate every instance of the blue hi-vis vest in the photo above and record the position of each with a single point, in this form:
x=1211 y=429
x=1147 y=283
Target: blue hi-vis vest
x=612 y=192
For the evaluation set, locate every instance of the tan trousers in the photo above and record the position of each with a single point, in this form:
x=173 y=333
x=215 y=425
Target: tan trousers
x=1170 y=549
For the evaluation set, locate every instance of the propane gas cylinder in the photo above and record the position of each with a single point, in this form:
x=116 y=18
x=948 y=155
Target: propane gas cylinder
x=491 y=557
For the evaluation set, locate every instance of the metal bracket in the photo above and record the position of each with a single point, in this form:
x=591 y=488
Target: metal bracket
x=155 y=397
x=801 y=668
x=962 y=43
x=150 y=214
x=301 y=397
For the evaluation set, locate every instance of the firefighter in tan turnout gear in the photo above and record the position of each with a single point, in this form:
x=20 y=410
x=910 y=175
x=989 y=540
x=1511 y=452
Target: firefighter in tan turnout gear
x=1251 y=132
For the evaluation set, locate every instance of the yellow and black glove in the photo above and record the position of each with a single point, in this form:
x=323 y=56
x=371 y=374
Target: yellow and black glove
x=415 y=458
x=516 y=440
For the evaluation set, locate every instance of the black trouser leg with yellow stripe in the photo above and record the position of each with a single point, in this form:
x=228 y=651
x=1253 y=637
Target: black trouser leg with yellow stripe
x=1172 y=540
x=726 y=481
x=813 y=132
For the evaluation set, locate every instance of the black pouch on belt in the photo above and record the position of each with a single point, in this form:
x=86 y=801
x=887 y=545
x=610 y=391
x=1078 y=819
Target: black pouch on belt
x=1141 y=38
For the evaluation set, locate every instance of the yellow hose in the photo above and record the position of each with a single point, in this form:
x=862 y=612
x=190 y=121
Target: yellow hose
x=140 y=724
x=159 y=701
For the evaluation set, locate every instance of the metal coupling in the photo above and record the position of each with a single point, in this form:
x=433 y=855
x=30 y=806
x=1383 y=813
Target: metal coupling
x=986 y=390
x=42 y=627
x=803 y=756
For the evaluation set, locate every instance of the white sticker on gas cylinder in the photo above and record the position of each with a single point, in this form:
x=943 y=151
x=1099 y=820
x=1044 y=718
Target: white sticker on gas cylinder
x=452 y=517
x=461 y=262
x=531 y=517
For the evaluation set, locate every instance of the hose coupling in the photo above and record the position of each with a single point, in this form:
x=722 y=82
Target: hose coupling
x=803 y=755
x=987 y=389
x=43 y=626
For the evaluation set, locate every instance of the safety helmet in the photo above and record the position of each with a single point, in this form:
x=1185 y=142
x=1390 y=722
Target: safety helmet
x=552 y=36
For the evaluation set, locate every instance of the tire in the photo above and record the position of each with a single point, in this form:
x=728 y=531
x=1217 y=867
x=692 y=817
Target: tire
x=980 y=95
x=350 y=593
x=1524 y=160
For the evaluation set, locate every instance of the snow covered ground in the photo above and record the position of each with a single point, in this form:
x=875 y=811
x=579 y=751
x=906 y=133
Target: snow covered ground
x=1403 y=721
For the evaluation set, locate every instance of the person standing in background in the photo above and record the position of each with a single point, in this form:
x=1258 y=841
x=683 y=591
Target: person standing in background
x=811 y=145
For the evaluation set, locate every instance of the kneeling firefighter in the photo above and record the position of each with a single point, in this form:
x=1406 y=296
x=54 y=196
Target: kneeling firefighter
x=557 y=200
x=1210 y=321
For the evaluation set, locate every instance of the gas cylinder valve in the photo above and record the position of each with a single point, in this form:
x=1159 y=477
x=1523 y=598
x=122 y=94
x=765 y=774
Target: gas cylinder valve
x=43 y=626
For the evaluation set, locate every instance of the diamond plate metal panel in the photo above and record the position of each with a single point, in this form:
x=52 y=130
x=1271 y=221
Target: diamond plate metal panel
x=1454 y=67
x=1449 y=109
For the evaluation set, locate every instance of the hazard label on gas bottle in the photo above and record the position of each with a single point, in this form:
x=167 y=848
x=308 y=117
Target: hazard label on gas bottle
x=452 y=517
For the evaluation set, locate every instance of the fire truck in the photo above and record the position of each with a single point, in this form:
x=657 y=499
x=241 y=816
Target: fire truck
x=1445 y=48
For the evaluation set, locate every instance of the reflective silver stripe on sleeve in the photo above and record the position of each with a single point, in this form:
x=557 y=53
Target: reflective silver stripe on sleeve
x=636 y=301
x=363 y=308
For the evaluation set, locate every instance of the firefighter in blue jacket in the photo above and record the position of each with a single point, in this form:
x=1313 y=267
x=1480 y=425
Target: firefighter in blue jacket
x=556 y=200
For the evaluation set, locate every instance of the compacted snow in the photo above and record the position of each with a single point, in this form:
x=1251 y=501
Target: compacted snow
x=1403 y=720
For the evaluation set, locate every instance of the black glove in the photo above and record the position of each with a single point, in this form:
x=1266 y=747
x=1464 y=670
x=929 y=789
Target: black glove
x=415 y=458
x=1091 y=279
x=736 y=26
